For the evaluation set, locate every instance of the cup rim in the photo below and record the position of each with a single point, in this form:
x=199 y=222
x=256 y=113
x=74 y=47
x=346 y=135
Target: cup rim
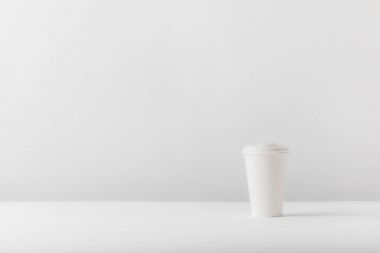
x=265 y=148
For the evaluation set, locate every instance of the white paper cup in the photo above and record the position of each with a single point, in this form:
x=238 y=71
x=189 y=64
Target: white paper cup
x=265 y=165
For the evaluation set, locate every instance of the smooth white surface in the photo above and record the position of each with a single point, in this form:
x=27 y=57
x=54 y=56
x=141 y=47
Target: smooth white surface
x=153 y=100
x=187 y=227
x=266 y=170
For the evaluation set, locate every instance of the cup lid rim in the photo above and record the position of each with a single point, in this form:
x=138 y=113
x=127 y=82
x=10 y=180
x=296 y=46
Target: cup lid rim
x=265 y=147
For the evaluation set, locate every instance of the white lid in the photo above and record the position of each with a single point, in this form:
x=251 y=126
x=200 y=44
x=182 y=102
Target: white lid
x=265 y=147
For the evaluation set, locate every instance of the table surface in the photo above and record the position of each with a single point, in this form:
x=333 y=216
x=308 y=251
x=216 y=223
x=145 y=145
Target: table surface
x=187 y=227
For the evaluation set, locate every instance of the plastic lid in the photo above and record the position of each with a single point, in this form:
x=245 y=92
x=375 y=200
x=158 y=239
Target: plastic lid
x=265 y=147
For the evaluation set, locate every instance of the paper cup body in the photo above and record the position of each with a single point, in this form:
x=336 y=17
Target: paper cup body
x=266 y=180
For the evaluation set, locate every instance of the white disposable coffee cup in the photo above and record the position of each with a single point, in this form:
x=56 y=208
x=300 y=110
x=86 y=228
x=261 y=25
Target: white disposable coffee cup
x=265 y=165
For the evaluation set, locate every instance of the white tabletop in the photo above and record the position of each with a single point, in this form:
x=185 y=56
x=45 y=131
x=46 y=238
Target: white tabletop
x=187 y=227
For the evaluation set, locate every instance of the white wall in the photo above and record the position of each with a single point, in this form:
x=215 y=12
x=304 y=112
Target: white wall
x=153 y=100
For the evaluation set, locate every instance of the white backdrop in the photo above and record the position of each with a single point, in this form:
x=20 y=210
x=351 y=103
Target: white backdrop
x=154 y=100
